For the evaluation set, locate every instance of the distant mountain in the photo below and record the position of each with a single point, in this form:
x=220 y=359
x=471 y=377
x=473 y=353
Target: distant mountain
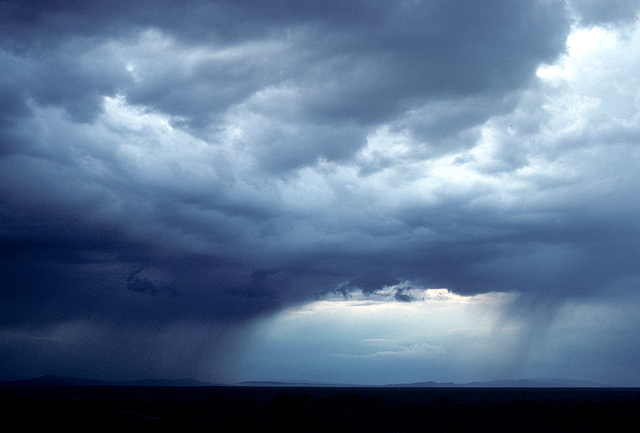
x=294 y=383
x=538 y=383
x=49 y=380
x=270 y=383
x=167 y=382
x=429 y=384
x=508 y=383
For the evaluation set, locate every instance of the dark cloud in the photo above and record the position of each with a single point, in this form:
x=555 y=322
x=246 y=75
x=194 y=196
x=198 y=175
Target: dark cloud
x=328 y=53
x=402 y=295
x=168 y=167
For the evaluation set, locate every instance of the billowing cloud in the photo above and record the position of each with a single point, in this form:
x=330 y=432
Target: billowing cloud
x=196 y=166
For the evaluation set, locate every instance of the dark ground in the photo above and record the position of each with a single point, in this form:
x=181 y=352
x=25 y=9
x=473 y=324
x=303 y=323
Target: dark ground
x=306 y=409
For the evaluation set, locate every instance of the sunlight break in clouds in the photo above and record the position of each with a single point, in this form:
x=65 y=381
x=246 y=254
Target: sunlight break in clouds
x=495 y=344
x=366 y=332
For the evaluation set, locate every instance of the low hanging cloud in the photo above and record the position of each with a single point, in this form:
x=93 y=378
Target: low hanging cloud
x=166 y=166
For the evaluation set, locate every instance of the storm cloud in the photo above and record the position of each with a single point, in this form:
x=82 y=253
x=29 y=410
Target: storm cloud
x=172 y=170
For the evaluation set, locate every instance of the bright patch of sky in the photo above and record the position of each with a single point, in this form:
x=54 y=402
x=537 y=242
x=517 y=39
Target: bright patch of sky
x=445 y=337
x=439 y=336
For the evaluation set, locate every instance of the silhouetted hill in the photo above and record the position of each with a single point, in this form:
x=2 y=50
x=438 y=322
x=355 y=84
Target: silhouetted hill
x=508 y=383
x=538 y=383
x=161 y=382
x=49 y=380
x=259 y=383
x=429 y=384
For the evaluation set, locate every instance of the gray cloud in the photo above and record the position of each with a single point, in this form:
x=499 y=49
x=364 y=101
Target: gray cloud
x=595 y=12
x=213 y=162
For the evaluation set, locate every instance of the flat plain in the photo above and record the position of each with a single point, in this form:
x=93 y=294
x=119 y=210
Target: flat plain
x=323 y=409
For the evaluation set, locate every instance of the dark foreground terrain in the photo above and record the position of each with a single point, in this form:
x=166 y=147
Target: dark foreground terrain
x=306 y=409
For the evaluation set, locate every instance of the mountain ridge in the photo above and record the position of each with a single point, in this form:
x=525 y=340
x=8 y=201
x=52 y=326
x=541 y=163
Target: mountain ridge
x=510 y=383
x=49 y=380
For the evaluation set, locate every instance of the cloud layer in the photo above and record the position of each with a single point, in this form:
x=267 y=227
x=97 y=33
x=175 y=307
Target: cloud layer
x=170 y=167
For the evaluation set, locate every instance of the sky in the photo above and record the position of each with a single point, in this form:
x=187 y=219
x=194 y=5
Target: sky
x=336 y=191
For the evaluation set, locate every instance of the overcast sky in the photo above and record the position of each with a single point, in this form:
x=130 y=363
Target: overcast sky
x=353 y=191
